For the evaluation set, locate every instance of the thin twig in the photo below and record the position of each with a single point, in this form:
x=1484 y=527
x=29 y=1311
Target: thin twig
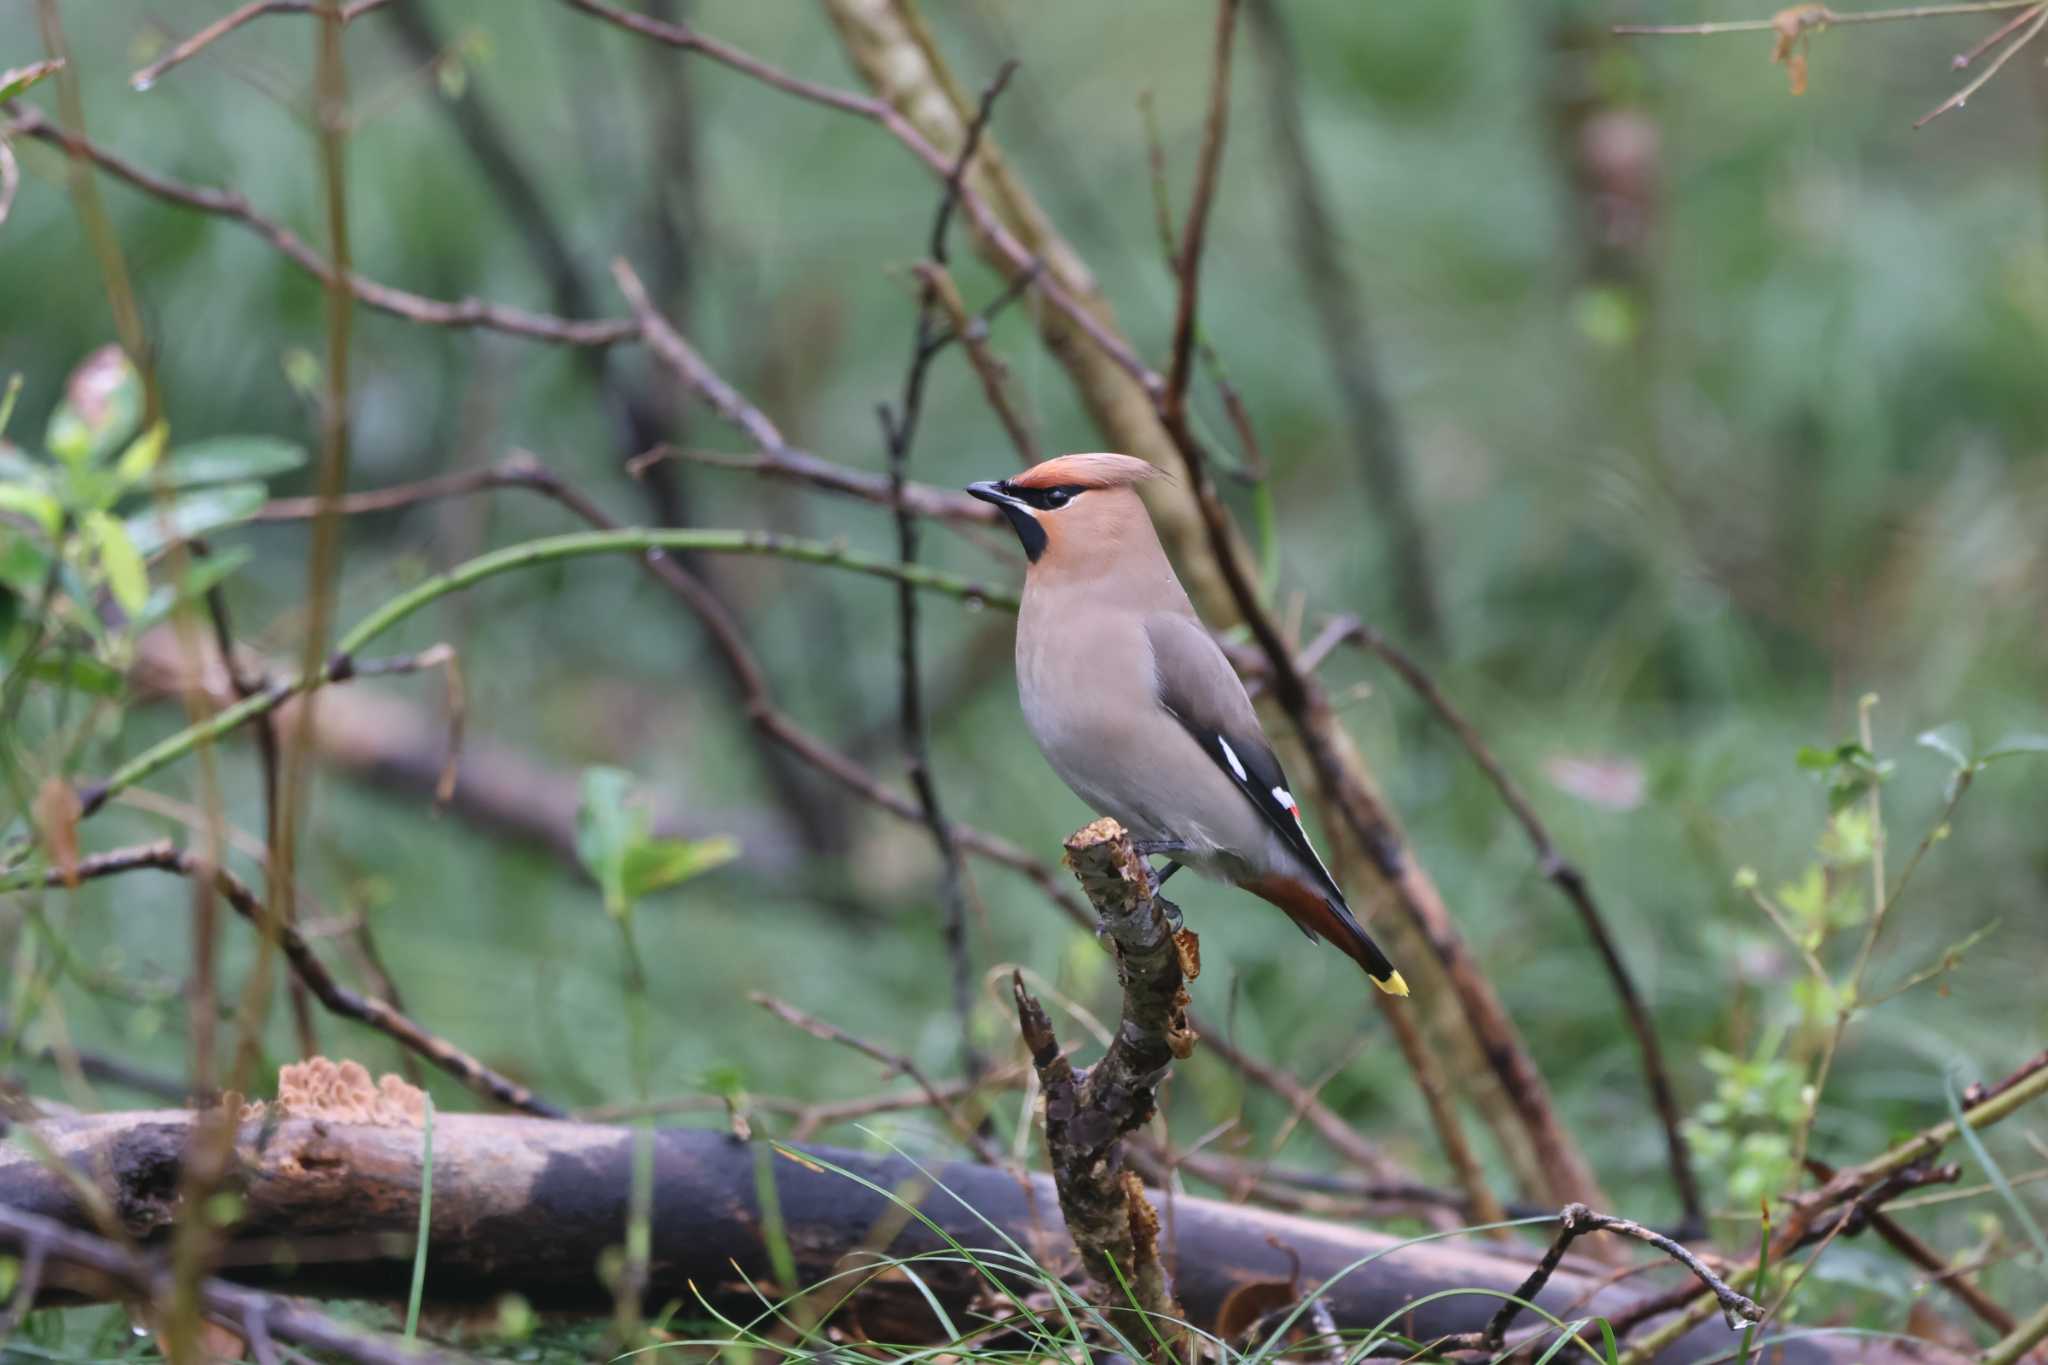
x=973 y=334
x=1574 y=1222
x=999 y=237
x=899 y=432
x=229 y=204
x=1852 y=1185
x=1194 y=236
x=191 y=47
x=1336 y=766
x=2022 y=1339
x=1962 y=60
x=165 y=856
x=1825 y=17
x=969 y=1131
x=255 y=1315
x=1957 y=100
x=1924 y=1256
x=767 y=718
x=246 y=686
x=1372 y=424
x=1977 y=1092
x=109 y=1071
x=1569 y=880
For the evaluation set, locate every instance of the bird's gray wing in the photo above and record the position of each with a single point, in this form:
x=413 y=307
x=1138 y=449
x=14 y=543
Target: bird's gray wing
x=1199 y=688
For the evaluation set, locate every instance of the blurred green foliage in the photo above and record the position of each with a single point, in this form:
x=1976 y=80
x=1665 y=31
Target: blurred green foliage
x=1724 y=407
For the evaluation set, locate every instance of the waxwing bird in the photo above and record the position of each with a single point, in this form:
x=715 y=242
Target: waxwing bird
x=1136 y=708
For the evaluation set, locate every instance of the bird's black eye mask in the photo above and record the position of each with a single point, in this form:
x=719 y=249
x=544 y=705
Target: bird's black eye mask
x=1045 y=499
x=1019 y=504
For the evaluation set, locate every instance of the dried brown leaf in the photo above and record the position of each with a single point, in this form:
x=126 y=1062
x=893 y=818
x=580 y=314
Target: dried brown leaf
x=1792 y=26
x=57 y=812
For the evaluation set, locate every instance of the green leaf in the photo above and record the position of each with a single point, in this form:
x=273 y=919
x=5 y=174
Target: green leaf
x=614 y=846
x=215 y=569
x=2017 y=744
x=80 y=672
x=127 y=578
x=203 y=575
x=656 y=864
x=1807 y=898
x=18 y=79
x=7 y=397
x=726 y=1079
x=302 y=371
x=606 y=827
x=141 y=456
x=46 y=511
x=1951 y=741
x=195 y=514
x=227 y=458
x=102 y=404
x=24 y=565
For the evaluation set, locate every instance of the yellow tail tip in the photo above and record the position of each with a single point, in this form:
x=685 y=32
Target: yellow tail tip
x=1393 y=985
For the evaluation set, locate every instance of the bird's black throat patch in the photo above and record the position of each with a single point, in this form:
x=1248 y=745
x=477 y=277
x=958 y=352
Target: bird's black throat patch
x=1027 y=528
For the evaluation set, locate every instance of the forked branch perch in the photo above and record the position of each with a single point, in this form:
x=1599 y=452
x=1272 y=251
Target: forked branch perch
x=1088 y=1113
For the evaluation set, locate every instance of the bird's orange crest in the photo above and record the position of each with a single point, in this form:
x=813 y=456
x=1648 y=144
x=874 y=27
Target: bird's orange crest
x=1099 y=470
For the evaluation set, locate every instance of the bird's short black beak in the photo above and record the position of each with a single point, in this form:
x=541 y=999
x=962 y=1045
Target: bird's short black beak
x=1029 y=533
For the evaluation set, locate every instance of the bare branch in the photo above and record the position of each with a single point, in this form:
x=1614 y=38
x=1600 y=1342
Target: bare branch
x=334 y=1205
x=1194 y=236
x=229 y=204
x=968 y=1128
x=1088 y=1113
x=339 y=999
x=1568 y=879
x=800 y=466
x=2031 y=31
x=187 y=49
x=1822 y=15
x=1574 y=1222
x=258 y=1316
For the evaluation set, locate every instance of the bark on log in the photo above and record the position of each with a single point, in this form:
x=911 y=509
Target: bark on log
x=529 y=1206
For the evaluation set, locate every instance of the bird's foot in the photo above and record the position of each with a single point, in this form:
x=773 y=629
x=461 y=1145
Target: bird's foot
x=1148 y=849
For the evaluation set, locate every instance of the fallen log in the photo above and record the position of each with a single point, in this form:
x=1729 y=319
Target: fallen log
x=532 y=1206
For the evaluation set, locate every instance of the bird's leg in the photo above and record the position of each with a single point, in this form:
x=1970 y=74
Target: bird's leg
x=1151 y=848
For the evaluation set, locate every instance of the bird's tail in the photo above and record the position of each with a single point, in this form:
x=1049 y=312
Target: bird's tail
x=1323 y=916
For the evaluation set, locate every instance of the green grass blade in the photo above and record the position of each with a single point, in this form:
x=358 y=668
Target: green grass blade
x=419 y=1247
x=1993 y=1170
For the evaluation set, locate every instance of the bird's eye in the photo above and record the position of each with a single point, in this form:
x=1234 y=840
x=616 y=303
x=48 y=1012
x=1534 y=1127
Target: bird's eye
x=1056 y=497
